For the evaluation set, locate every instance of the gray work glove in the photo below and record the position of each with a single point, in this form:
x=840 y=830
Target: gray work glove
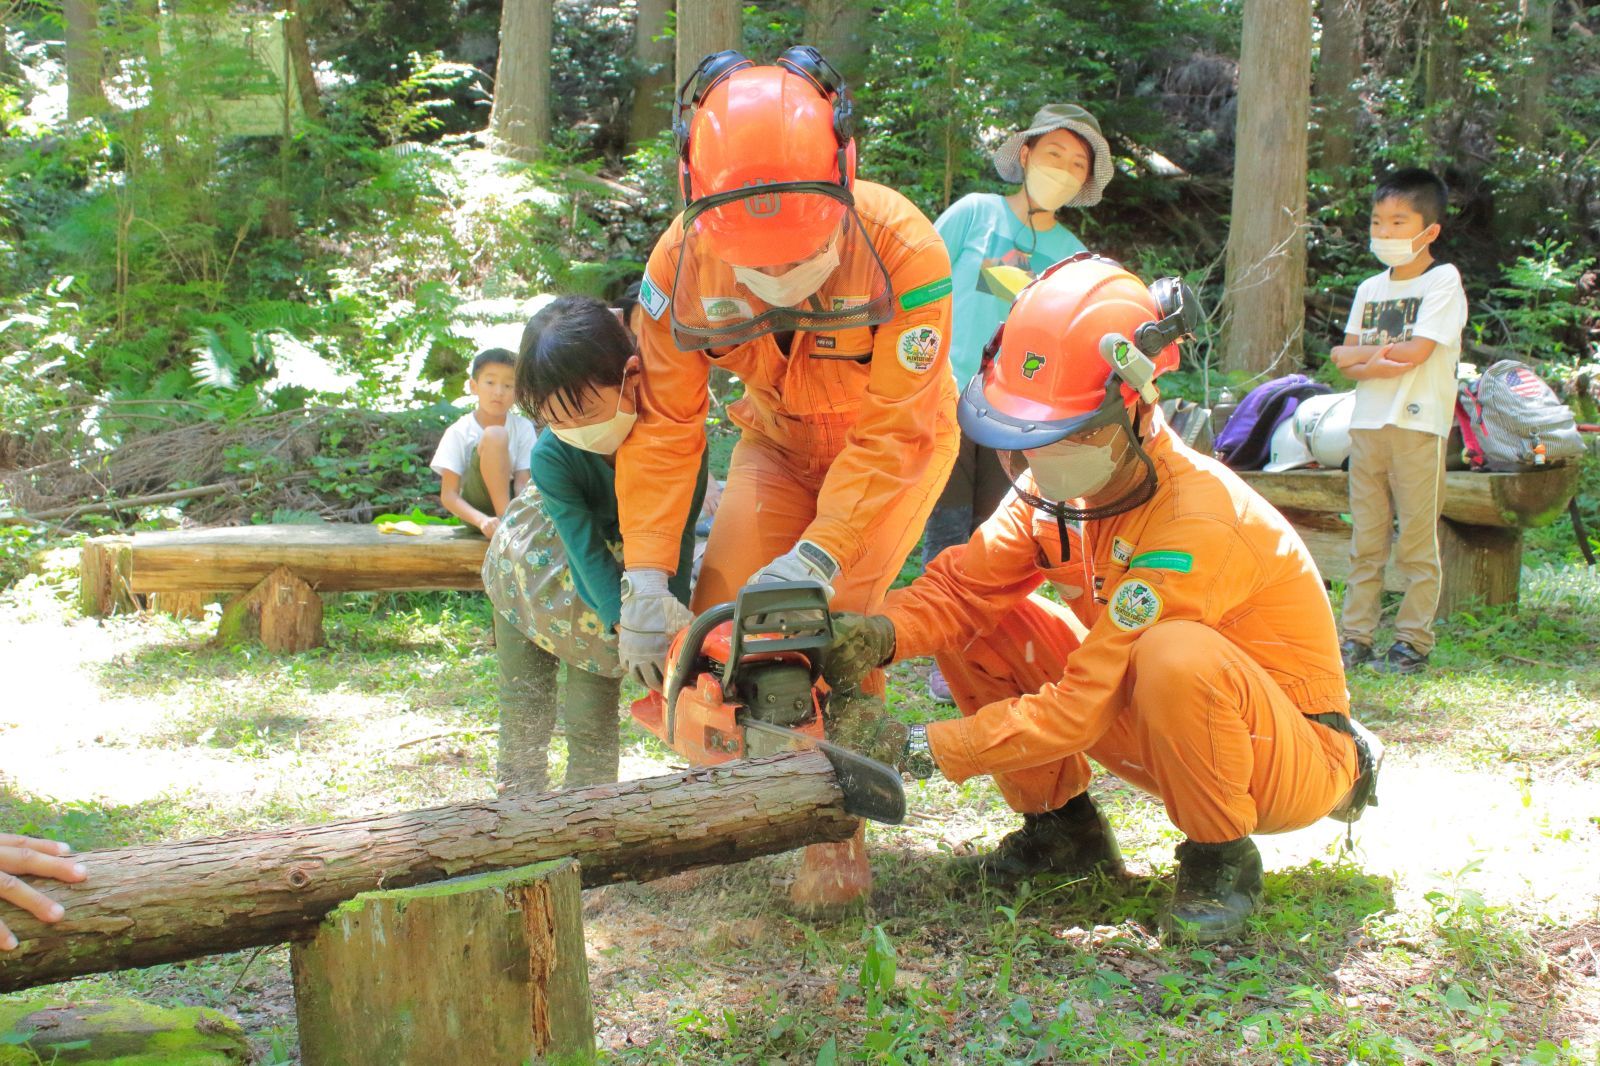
x=861 y=644
x=803 y=562
x=651 y=617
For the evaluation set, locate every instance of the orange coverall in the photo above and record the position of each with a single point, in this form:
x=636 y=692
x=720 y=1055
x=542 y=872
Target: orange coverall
x=1197 y=640
x=847 y=438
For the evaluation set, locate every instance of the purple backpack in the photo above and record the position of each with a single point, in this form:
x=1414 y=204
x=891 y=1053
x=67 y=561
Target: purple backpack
x=1245 y=442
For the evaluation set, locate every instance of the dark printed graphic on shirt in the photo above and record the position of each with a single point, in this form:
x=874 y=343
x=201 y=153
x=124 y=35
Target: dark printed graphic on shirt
x=1389 y=321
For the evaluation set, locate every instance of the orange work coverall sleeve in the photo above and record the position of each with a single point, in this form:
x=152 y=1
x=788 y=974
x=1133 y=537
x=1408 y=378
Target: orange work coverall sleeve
x=889 y=447
x=965 y=592
x=659 y=463
x=1069 y=716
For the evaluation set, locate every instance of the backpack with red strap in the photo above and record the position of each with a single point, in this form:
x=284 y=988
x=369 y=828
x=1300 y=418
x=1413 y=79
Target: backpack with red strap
x=1511 y=420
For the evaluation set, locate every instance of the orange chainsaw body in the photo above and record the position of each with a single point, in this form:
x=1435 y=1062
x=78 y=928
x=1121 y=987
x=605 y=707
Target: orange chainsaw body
x=705 y=728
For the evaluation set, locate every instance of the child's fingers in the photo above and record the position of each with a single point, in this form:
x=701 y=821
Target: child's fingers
x=37 y=864
x=17 y=891
x=7 y=941
x=46 y=847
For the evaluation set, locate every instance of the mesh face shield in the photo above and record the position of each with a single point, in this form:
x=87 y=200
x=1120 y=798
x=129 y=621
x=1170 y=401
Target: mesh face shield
x=711 y=308
x=1110 y=427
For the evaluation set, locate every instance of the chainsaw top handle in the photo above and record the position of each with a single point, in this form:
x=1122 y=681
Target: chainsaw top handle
x=769 y=618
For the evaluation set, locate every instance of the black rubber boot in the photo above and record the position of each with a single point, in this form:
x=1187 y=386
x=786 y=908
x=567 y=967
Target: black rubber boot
x=1074 y=840
x=1218 y=886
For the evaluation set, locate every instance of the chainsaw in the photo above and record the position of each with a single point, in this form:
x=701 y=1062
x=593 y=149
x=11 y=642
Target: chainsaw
x=744 y=680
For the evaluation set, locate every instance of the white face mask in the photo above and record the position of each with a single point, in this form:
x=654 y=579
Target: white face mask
x=1051 y=187
x=1067 y=471
x=1395 y=251
x=793 y=286
x=602 y=438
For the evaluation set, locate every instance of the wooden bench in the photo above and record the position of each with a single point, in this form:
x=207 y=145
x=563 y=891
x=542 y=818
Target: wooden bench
x=272 y=572
x=1480 y=535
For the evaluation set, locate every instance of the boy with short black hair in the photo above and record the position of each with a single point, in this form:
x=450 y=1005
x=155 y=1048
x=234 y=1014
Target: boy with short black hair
x=1401 y=345
x=483 y=458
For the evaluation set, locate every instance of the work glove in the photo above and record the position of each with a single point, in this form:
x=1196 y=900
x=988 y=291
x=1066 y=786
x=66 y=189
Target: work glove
x=651 y=616
x=861 y=644
x=803 y=562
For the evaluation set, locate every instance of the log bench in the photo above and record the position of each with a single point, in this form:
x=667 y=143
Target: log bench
x=272 y=572
x=1480 y=535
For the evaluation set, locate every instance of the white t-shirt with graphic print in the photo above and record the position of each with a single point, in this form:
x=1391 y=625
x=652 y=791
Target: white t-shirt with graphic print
x=1386 y=311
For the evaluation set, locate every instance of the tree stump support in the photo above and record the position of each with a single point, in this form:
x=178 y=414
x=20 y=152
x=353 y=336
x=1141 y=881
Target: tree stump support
x=104 y=566
x=485 y=970
x=282 y=612
x=190 y=605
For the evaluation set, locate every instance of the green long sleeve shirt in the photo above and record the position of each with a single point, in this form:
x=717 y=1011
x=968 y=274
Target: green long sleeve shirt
x=578 y=490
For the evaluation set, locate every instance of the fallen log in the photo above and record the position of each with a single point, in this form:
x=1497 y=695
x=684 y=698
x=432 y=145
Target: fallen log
x=165 y=902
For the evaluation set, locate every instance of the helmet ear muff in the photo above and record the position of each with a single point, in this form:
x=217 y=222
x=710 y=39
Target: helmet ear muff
x=712 y=69
x=1180 y=316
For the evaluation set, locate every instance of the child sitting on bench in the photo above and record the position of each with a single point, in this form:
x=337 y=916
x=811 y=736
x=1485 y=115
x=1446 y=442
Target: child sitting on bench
x=482 y=459
x=554 y=573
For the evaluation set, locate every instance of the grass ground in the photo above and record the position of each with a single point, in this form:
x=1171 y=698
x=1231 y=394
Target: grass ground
x=1464 y=927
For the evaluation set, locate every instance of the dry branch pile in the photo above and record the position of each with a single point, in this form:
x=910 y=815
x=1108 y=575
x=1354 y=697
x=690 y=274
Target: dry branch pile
x=236 y=469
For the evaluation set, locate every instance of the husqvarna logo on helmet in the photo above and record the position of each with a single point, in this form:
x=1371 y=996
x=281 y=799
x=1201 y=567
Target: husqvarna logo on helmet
x=1032 y=365
x=762 y=205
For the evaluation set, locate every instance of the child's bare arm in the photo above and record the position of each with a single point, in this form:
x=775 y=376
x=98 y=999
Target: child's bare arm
x=1411 y=353
x=450 y=497
x=520 y=480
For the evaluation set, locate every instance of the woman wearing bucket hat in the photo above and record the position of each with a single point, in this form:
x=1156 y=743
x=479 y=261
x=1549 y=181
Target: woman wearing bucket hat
x=997 y=243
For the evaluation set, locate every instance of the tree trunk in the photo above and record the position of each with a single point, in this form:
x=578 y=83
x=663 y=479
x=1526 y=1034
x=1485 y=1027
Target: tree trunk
x=520 y=119
x=1533 y=87
x=705 y=27
x=1338 y=67
x=84 y=58
x=300 y=61
x=838 y=29
x=165 y=902
x=1264 y=316
x=653 y=64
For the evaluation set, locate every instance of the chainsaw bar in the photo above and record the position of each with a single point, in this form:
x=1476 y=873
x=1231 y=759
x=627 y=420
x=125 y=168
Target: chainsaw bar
x=871 y=789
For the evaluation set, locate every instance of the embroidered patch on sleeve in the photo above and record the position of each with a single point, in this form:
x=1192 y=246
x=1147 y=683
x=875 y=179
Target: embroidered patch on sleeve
x=923 y=295
x=918 y=348
x=1121 y=551
x=1177 y=562
x=1134 y=605
x=652 y=299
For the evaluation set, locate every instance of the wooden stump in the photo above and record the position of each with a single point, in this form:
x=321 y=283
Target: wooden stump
x=104 y=565
x=1480 y=564
x=282 y=611
x=486 y=970
x=191 y=605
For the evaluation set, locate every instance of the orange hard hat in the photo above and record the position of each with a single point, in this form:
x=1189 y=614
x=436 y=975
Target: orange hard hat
x=767 y=125
x=1043 y=375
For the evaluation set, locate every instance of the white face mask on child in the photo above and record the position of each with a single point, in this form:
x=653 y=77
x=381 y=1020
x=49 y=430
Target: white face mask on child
x=602 y=438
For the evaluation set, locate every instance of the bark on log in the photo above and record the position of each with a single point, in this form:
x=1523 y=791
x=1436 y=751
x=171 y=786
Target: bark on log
x=165 y=902
x=1510 y=501
x=331 y=558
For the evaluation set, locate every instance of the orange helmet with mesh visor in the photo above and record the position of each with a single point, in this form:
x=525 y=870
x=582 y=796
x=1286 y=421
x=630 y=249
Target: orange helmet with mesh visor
x=766 y=156
x=1080 y=345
